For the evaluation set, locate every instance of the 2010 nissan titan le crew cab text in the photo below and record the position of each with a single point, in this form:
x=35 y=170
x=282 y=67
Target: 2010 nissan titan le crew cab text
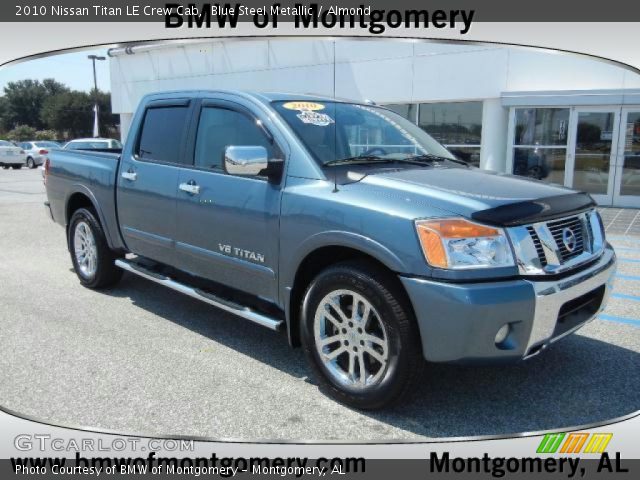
x=341 y=223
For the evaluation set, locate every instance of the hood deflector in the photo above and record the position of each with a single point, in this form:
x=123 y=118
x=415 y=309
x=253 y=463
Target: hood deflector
x=532 y=211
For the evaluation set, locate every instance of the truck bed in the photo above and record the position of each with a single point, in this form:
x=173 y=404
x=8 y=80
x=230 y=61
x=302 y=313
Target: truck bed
x=92 y=173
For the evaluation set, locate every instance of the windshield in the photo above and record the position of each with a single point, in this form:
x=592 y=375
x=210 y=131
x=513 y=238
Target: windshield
x=334 y=131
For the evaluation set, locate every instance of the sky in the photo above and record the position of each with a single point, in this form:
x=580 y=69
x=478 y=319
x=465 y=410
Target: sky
x=73 y=69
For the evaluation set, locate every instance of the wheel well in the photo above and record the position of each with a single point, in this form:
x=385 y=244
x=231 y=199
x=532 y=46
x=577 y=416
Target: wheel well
x=76 y=201
x=311 y=266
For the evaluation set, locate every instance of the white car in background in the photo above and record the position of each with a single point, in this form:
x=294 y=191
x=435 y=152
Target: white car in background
x=93 y=144
x=11 y=155
x=37 y=150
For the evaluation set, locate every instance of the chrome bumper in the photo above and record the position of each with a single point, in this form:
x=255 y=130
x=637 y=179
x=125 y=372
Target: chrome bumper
x=551 y=296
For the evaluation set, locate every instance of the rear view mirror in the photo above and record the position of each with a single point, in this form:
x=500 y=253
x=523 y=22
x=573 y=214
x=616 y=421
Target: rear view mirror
x=246 y=160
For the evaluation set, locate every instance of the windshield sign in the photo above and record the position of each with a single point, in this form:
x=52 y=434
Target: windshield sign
x=335 y=131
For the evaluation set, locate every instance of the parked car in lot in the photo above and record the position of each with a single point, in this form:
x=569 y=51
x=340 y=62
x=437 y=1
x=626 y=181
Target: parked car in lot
x=93 y=144
x=341 y=223
x=36 y=151
x=11 y=156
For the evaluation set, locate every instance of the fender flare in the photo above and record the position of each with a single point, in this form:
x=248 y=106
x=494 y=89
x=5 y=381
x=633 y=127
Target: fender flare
x=82 y=189
x=315 y=242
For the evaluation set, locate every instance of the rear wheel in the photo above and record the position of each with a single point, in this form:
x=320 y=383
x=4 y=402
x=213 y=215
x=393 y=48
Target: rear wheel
x=31 y=163
x=92 y=259
x=360 y=335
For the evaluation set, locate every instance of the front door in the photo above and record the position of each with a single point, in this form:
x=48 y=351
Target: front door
x=627 y=178
x=227 y=229
x=592 y=152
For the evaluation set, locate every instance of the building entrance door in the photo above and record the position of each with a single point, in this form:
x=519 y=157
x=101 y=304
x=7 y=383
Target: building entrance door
x=626 y=188
x=592 y=154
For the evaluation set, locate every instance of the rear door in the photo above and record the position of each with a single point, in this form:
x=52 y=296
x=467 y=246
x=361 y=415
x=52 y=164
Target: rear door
x=148 y=180
x=228 y=225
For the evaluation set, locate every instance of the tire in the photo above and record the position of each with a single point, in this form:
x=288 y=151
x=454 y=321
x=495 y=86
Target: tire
x=31 y=163
x=16 y=167
x=390 y=328
x=96 y=268
x=5 y=167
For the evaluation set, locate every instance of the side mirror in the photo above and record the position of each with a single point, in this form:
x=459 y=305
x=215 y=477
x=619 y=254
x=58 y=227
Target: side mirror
x=251 y=161
x=245 y=161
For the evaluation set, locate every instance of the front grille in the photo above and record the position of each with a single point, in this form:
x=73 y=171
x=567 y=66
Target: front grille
x=557 y=229
x=538 y=245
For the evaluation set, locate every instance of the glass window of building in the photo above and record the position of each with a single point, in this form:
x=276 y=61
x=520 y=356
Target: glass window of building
x=540 y=143
x=458 y=126
x=406 y=110
x=630 y=182
x=594 y=141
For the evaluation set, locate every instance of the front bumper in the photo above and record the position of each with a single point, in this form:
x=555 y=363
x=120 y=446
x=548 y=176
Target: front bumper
x=459 y=322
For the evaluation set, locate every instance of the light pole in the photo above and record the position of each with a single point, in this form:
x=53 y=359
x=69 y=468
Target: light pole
x=96 y=126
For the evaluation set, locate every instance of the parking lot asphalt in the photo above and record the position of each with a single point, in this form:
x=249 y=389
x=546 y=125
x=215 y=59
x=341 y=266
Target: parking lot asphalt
x=140 y=359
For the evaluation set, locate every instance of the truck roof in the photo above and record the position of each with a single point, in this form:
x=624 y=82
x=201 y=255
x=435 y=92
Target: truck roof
x=265 y=97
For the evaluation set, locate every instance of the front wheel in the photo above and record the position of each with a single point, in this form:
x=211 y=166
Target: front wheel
x=16 y=167
x=360 y=335
x=92 y=259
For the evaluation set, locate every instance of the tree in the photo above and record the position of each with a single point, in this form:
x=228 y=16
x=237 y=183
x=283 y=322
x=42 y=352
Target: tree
x=46 y=135
x=4 y=111
x=53 y=87
x=21 y=133
x=25 y=98
x=70 y=113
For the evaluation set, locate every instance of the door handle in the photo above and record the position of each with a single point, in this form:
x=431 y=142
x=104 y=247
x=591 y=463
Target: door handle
x=190 y=187
x=131 y=176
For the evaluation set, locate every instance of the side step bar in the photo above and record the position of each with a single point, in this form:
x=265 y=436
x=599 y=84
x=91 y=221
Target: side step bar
x=211 y=299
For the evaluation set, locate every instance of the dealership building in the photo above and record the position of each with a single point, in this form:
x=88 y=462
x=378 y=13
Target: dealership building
x=561 y=118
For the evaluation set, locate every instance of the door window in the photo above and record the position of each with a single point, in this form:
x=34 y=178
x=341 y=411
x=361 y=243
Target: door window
x=162 y=133
x=220 y=128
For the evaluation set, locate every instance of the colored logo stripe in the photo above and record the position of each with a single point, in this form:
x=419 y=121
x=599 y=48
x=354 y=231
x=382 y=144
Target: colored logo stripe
x=574 y=443
x=598 y=442
x=550 y=443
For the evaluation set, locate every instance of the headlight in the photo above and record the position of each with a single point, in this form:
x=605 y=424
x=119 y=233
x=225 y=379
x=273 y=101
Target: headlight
x=458 y=244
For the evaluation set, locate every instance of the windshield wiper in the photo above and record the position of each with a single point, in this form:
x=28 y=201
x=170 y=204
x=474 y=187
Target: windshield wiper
x=430 y=157
x=356 y=160
x=423 y=159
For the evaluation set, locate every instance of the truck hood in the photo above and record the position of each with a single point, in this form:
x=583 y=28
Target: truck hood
x=486 y=196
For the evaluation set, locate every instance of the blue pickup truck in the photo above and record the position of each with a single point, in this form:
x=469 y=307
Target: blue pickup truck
x=340 y=223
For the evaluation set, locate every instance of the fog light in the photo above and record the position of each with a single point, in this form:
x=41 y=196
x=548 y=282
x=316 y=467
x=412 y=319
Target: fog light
x=503 y=333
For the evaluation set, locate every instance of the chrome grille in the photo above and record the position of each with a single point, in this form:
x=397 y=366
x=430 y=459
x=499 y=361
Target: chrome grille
x=538 y=245
x=558 y=229
x=540 y=249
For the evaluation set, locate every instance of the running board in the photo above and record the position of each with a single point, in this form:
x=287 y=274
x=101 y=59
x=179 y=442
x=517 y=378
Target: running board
x=211 y=299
